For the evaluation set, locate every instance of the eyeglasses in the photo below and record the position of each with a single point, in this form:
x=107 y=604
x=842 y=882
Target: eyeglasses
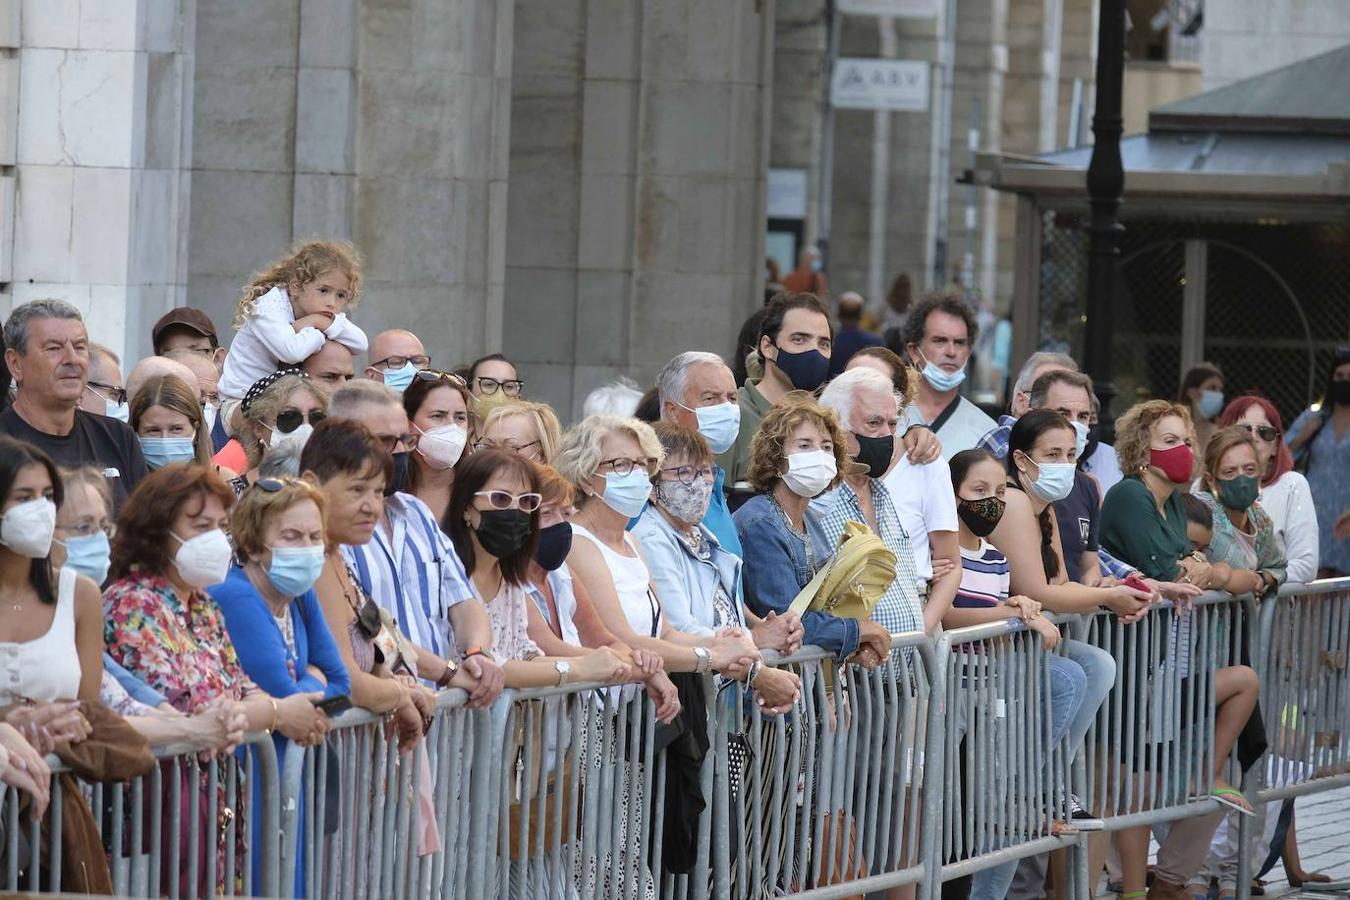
x=488 y=444
x=511 y=388
x=211 y=398
x=436 y=375
x=290 y=419
x=623 y=466
x=273 y=485
x=690 y=474
x=1266 y=433
x=420 y=361
x=88 y=529
x=506 y=500
x=391 y=443
x=116 y=394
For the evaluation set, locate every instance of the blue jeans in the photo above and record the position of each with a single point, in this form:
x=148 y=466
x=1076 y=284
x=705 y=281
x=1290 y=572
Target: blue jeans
x=1069 y=685
x=1099 y=667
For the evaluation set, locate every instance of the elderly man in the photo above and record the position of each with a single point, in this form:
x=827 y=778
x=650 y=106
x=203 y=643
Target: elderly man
x=939 y=335
x=153 y=366
x=104 y=394
x=851 y=336
x=440 y=612
x=869 y=411
x=1037 y=364
x=47 y=350
x=331 y=366
x=396 y=356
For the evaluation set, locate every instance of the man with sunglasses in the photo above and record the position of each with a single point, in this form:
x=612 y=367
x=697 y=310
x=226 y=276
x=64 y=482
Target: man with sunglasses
x=410 y=567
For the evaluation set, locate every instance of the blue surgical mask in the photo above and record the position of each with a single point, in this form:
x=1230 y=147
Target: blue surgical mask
x=295 y=569
x=1080 y=439
x=940 y=379
x=119 y=411
x=90 y=555
x=1054 y=481
x=400 y=378
x=1211 y=404
x=160 y=451
x=627 y=494
x=719 y=424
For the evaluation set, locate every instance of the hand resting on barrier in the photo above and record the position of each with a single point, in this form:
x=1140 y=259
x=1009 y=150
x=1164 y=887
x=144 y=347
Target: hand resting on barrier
x=733 y=650
x=874 y=644
x=777 y=689
x=46 y=725
x=782 y=633
x=300 y=720
x=23 y=767
x=489 y=680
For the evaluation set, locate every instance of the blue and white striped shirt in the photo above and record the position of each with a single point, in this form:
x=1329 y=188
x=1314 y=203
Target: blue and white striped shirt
x=412 y=571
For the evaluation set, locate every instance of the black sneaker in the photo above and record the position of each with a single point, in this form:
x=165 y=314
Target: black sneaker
x=1082 y=818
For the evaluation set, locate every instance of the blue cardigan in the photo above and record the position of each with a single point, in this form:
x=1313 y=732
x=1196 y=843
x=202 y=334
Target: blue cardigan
x=261 y=648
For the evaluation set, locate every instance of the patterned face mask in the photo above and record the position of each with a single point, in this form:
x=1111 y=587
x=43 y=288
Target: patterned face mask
x=686 y=502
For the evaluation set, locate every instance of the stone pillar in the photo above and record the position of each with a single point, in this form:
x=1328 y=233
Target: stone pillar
x=636 y=209
x=382 y=123
x=93 y=155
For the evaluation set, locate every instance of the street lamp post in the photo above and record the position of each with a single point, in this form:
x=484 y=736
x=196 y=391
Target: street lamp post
x=1105 y=184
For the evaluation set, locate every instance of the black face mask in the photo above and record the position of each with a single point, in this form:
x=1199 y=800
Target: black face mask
x=1091 y=447
x=1340 y=393
x=806 y=370
x=502 y=532
x=980 y=516
x=875 y=453
x=400 y=479
x=555 y=542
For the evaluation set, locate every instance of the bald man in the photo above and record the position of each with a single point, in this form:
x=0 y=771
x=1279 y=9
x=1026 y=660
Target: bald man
x=851 y=337
x=151 y=366
x=332 y=366
x=394 y=356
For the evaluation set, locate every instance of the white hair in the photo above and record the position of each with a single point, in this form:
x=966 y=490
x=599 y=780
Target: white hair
x=618 y=398
x=842 y=393
x=355 y=394
x=673 y=379
x=1026 y=375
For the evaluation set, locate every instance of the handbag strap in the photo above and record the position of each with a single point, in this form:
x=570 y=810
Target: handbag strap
x=808 y=593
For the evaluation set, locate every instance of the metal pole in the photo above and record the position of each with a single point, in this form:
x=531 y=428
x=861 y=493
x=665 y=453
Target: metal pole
x=1105 y=184
x=825 y=191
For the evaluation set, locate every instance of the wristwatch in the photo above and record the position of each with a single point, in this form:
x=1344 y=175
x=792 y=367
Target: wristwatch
x=1198 y=556
x=451 y=669
x=476 y=650
x=564 y=670
x=704 y=660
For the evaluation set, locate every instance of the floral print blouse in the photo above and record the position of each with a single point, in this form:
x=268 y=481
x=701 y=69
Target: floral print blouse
x=184 y=652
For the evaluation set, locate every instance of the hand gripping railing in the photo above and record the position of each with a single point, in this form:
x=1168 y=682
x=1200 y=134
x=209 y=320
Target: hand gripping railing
x=1003 y=778
x=187 y=829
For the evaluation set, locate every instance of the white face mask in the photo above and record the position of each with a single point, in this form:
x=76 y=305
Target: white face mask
x=810 y=472
x=209 y=411
x=27 y=527
x=442 y=447
x=299 y=436
x=204 y=559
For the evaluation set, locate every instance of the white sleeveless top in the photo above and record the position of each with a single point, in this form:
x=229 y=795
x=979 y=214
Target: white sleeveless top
x=632 y=582
x=46 y=668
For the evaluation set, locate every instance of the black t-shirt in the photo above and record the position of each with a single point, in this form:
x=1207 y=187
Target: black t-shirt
x=1078 y=521
x=94 y=441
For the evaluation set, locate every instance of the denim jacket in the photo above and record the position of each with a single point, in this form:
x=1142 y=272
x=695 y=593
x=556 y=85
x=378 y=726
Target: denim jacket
x=685 y=584
x=776 y=569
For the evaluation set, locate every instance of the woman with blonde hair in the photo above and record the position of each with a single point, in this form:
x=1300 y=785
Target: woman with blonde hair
x=527 y=429
x=282 y=408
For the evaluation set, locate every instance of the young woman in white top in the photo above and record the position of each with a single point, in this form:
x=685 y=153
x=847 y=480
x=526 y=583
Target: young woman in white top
x=1285 y=495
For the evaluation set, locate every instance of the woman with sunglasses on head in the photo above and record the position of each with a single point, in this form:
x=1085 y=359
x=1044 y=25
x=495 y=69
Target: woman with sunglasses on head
x=1284 y=494
x=283 y=407
x=440 y=411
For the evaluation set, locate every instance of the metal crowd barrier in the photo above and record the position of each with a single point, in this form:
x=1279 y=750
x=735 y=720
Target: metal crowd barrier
x=1003 y=777
x=1302 y=654
x=184 y=830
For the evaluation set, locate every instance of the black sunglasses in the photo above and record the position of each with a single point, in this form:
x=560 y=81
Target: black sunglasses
x=273 y=485
x=436 y=375
x=291 y=419
x=1266 y=433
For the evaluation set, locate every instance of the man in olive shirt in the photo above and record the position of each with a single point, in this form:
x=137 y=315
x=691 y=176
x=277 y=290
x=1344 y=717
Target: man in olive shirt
x=47 y=350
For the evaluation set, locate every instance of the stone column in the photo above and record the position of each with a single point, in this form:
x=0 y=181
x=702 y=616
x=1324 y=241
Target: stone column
x=93 y=99
x=636 y=209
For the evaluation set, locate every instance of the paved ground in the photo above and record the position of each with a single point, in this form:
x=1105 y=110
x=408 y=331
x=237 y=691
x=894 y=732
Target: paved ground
x=1323 y=822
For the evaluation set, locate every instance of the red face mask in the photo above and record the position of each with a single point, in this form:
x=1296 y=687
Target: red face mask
x=1177 y=463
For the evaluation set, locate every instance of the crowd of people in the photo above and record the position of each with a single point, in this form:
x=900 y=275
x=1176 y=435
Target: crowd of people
x=255 y=537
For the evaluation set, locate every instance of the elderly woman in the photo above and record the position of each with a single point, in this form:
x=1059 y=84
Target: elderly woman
x=1144 y=523
x=529 y=429
x=285 y=406
x=440 y=410
x=1284 y=494
x=168 y=419
x=270 y=609
x=798 y=453
x=609 y=462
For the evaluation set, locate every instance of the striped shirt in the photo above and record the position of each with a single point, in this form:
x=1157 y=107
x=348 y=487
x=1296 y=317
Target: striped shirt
x=985 y=576
x=412 y=571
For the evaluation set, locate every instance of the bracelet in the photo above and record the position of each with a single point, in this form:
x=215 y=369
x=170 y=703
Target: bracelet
x=704 y=664
x=273 y=726
x=756 y=668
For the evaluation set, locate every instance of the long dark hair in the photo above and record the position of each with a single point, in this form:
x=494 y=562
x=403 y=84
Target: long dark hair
x=15 y=456
x=1025 y=433
x=416 y=394
x=470 y=476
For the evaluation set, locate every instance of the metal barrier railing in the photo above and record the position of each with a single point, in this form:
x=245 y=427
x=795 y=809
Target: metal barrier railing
x=186 y=829
x=1004 y=778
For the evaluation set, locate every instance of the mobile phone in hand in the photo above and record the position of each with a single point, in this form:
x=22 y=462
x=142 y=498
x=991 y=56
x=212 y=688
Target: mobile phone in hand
x=334 y=706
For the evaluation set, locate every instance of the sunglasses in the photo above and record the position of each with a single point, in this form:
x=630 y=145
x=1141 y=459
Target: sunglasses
x=506 y=500
x=274 y=485
x=291 y=419
x=1266 y=433
x=436 y=375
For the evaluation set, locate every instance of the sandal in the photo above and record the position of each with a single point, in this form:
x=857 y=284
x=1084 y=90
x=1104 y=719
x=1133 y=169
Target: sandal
x=1234 y=799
